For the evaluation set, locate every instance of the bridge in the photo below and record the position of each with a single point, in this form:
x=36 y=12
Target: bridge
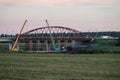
x=39 y=39
x=6 y=39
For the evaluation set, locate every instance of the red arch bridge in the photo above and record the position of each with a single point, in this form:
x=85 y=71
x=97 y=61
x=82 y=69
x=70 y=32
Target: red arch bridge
x=39 y=39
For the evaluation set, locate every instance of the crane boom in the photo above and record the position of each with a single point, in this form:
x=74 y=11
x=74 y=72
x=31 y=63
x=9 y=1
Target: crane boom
x=51 y=37
x=14 y=48
x=53 y=42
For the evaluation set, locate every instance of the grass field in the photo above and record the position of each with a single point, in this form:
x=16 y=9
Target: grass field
x=18 y=66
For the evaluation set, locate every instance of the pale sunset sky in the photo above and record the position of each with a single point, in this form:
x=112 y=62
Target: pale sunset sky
x=82 y=15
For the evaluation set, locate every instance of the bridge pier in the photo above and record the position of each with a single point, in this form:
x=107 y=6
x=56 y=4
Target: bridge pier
x=73 y=43
x=30 y=45
x=47 y=46
x=59 y=43
x=66 y=42
x=10 y=46
x=38 y=45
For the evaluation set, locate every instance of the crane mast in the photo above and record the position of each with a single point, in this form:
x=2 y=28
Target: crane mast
x=14 y=48
x=51 y=37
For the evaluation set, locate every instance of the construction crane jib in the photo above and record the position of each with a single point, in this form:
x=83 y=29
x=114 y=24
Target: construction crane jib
x=14 y=48
x=51 y=37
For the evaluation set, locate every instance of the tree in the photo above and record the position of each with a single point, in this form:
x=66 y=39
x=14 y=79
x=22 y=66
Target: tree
x=118 y=41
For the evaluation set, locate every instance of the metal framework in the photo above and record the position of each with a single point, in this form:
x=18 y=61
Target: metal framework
x=39 y=39
x=57 y=31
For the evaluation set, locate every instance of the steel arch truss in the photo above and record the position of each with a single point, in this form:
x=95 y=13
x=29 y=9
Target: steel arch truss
x=57 y=31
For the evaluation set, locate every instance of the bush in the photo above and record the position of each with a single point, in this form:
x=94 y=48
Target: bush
x=118 y=42
x=102 y=46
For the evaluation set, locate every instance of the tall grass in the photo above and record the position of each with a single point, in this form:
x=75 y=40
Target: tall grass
x=18 y=66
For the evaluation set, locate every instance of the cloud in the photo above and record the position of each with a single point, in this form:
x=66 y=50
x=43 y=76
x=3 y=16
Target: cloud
x=57 y=3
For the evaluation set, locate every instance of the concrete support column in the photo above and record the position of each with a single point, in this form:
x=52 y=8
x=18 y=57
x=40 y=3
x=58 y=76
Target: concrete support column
x=66 y=43
x=73 y=43
x=51 y=46
x=47 y=46
x=38 y=45
x=18 y=46
x=30 y=45
x=10 y=46
x=59 y=43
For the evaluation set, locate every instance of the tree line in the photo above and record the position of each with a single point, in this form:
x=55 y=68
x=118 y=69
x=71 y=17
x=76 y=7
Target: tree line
x=97 y=34
x=89 y=34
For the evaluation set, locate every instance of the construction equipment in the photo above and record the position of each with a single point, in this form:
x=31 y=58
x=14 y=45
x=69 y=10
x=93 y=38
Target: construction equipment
x=14 y=48
x=56 y=48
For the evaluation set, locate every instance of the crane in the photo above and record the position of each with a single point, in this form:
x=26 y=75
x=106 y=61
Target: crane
x=52 y=39
x=14 y=48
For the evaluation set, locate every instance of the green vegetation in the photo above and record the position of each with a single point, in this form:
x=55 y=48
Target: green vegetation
x=19 y=66
x=4 y=48
x=118 y=42
x=102 y=46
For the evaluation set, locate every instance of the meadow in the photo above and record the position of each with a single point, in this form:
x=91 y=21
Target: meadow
x=34 y=66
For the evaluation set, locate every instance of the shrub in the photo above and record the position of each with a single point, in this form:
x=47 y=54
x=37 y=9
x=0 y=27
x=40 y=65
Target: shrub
x=118 y=41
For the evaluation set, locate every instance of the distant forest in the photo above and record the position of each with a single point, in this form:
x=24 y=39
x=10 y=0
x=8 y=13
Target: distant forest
x=98 y=34
x=89 y=34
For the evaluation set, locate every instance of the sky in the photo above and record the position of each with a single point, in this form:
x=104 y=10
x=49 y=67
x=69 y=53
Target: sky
x=82 y=15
